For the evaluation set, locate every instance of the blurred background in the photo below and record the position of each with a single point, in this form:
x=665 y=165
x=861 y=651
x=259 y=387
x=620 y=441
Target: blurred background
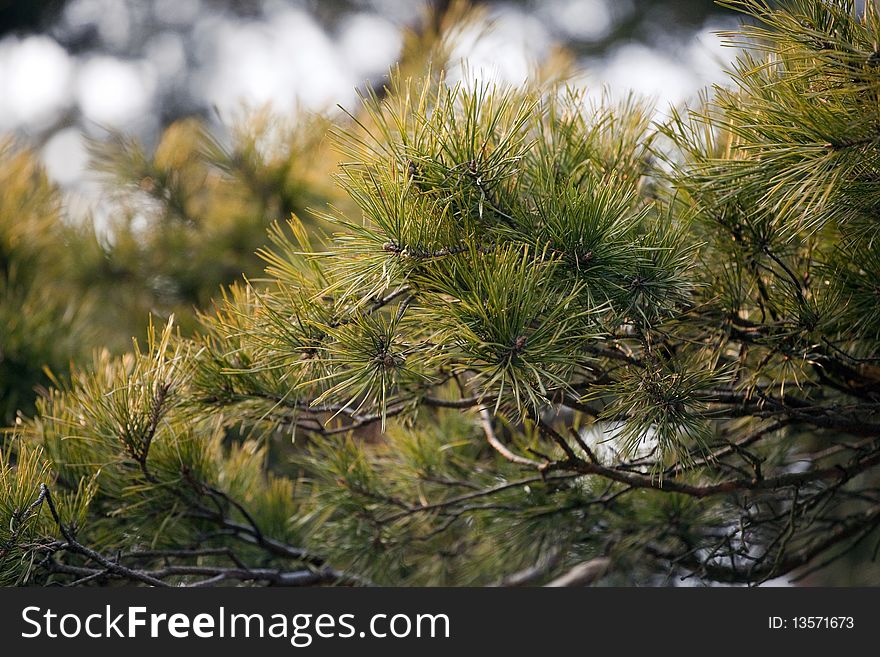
x=71 y=69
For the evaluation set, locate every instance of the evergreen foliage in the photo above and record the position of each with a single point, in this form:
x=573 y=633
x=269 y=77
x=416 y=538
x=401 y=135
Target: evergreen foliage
x=185 y=219
x=551 y=332
x=43 y=314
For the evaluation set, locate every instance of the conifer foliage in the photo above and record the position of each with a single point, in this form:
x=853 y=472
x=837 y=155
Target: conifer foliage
x=552 y=332
x=175 y=224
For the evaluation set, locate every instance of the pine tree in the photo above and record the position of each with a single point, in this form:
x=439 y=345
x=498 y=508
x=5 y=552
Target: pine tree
x=182 y=220
x=44 y=315
x=555 y=342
